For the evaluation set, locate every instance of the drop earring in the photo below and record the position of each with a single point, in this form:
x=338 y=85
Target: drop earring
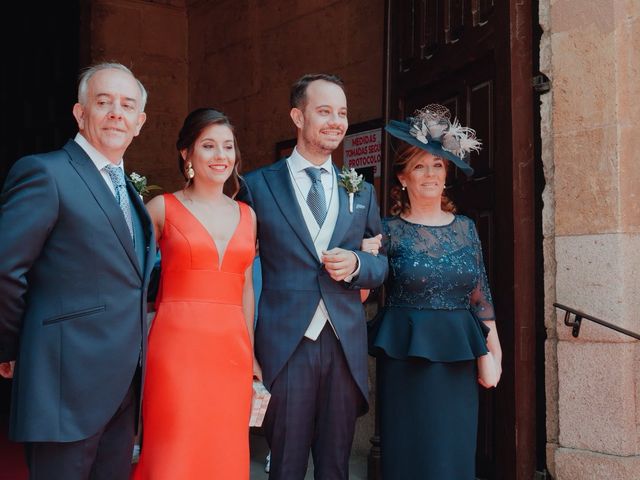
x=190 y=171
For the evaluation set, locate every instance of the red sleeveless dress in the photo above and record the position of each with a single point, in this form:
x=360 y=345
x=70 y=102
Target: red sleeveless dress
x=198 y=387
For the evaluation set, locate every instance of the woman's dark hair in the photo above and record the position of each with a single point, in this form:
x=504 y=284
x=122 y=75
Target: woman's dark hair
x=400 y=198
x=195 y=123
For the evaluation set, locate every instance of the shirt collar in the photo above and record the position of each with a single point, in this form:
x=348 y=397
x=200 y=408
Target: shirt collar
x=99 y=160
x=298 y=163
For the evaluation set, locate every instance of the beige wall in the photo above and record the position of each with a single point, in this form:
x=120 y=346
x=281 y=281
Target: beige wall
x=240 y=56
x=591 y=216
x=150 y=38
x=245 y=54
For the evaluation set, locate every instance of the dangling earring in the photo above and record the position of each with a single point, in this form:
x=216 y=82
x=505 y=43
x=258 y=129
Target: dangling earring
x=190 y=171
x=404 y=188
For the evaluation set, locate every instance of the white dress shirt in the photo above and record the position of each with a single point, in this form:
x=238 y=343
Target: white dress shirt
x=99 y=160
x=321 y=236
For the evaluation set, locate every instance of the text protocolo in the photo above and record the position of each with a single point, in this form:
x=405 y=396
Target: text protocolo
x=363 y=150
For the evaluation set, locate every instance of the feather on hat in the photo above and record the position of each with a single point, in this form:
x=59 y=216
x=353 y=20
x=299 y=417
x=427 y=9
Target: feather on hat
x=431 y=129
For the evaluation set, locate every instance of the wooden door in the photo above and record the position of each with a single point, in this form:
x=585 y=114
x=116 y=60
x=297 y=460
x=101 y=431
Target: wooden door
x=458 y=53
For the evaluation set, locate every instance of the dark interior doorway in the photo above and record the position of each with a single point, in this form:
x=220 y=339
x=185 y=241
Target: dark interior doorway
x=37 y=90
x=38 y=84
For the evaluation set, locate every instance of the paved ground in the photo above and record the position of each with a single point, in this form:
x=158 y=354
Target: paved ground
x=259 y=450
x=12 y=465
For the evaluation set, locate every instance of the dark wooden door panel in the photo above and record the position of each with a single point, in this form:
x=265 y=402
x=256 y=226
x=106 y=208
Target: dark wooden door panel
x=409 y=38
x=432 y=27
x=453 y=20
x=427 y=29
x=480 y=116
x=481 y=10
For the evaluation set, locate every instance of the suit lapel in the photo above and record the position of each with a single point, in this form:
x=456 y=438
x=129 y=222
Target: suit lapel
x=279 y=182
x=105 y=199
x=345 y=218
x=138 y=204
x=147 y=226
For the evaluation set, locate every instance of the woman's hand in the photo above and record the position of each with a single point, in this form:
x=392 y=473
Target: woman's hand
x=372 y=245
x=493 y=345
x=489 y=371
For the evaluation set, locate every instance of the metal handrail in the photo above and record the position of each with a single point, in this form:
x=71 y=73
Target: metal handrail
x=579 y=316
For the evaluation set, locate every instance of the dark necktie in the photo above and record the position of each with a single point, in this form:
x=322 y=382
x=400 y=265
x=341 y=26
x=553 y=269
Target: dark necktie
x=117 y=178
x=315 y=197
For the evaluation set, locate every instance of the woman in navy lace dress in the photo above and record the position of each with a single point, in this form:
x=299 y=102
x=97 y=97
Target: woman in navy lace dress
x=438 y=310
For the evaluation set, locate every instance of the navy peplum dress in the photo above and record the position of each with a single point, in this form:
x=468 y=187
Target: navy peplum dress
x=429 y=336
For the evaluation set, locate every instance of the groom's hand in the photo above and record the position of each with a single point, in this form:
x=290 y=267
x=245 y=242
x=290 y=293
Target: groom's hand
x=339 y=263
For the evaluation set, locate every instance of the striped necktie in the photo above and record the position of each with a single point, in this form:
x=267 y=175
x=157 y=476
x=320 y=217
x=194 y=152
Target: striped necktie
x=316 y=198
x=116 y=174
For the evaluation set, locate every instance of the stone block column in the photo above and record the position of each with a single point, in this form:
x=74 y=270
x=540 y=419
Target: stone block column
x=590 y=124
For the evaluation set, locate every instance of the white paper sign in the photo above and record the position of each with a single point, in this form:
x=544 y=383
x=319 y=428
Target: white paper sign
x=363 y=150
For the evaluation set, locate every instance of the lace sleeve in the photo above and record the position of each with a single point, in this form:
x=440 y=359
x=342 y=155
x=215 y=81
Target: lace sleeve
x=386 y=237
x=480 y=298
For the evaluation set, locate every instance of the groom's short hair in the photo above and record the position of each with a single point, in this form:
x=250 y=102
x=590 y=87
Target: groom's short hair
x=298 y=97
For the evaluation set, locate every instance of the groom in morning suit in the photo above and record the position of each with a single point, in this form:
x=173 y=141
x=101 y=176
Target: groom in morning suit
x=310 y=337
x=76 y=251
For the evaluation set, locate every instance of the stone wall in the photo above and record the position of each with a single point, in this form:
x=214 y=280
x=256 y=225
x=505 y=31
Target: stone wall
x=591 y=234
x=150 y=38
x=245 y=54
x=240 y=56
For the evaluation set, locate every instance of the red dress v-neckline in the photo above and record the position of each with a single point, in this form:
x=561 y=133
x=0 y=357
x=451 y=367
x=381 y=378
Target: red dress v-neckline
x=219 y=259
x=200 y=320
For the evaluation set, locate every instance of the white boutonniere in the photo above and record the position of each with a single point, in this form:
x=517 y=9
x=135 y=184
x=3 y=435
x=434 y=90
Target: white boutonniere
x=140 y=184
x=352 y=182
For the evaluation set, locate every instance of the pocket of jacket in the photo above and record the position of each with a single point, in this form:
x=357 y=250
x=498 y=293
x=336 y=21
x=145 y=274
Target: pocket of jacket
x=72 y=315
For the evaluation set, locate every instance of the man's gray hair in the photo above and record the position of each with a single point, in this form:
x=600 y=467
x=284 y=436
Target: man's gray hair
x=86 y=75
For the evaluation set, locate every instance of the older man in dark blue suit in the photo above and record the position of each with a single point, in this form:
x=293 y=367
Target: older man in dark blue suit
x=76 y=250
x=311 y=336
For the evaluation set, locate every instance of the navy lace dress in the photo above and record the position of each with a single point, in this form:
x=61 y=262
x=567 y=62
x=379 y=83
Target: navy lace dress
x=427 y=343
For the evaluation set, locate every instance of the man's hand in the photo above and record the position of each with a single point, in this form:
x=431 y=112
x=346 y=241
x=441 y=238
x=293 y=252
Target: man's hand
x=6 y=369
x=339 y=263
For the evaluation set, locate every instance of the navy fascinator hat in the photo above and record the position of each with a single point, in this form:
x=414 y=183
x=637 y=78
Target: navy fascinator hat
x=432 y=130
